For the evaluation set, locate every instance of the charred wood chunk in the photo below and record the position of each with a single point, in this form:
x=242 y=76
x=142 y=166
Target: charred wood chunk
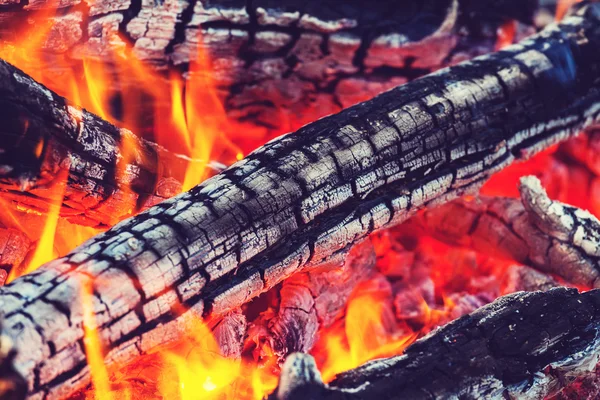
x=552 y=236
x=523 y=345
x=300 y=202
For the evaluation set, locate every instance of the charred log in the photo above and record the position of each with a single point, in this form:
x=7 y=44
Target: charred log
x=552 y=236
x=273 y=57
x=109 y=172
x=524 y=345
x=301 y=201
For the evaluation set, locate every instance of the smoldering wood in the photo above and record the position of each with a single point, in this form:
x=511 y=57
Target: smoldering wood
x=271 y=58
x=525 y=345
x=299 y=202
x=309 y=301
x=552 y=236
x=110 y=173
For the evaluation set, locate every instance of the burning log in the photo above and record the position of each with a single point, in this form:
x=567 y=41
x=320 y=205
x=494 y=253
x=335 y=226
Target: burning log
x=550 y=235
x=526 y=345
x=272 y=58
x=47 y=142
x=297 y=203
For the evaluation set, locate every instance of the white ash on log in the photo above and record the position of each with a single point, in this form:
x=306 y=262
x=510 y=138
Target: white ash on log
x=299 y=202
x=526 y=345
x=309 y=301
x=275 y=57
x=550 y=235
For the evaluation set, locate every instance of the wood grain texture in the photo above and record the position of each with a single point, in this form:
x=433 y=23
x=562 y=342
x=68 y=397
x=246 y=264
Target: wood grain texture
x=301 y=201
x=525 y=345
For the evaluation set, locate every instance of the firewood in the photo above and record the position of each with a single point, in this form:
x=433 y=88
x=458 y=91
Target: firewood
x=284 y=58
x=550 y=235
x=525 y=345
x=44 y=136
x=299 y=202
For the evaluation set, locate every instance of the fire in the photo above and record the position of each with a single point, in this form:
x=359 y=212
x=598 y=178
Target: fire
x=196 y=369
x=506 y=34
x=364 y=334
x=188 y=116
x=562 y=6
x=92 y=344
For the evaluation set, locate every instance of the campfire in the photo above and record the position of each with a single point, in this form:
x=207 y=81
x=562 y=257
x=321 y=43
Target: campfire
x=427 y=230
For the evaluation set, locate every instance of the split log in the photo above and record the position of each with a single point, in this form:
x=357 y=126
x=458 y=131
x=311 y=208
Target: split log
x=44 y=140
x=550 y=235
x=526 y=345
x=309 y=301
x=300 y=202
x=272 y=58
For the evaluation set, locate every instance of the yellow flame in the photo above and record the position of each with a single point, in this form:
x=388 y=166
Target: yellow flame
x=93 y=345
x=363 y=338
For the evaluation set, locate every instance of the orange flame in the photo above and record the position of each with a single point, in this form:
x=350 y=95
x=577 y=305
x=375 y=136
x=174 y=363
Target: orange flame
x=506 y=34
x=195 y=124
x=364 y=335
x=92 y=344
x=562 y=7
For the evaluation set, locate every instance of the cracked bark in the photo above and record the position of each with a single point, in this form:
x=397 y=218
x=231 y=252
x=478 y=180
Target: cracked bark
x=299 y=202
x=550 y=235
x=277 y=58
x=523 y=345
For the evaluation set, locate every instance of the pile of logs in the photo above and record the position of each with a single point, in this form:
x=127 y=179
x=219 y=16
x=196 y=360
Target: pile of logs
x=303 y=205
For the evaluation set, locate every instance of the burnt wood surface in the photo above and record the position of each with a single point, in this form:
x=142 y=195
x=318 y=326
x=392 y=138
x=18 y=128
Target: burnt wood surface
x=272 y=58
x=110 y=173
x=525 y=345
x=299 y=202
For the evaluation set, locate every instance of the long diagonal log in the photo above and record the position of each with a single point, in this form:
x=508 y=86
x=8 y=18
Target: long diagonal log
x=299 y=202
x=110 y=172
x=522 y=346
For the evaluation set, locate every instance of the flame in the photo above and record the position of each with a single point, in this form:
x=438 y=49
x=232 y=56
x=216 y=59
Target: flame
x=364 y=335
x=506 y=34
x=92 y=344
x=196 y=369
x=562 y=7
